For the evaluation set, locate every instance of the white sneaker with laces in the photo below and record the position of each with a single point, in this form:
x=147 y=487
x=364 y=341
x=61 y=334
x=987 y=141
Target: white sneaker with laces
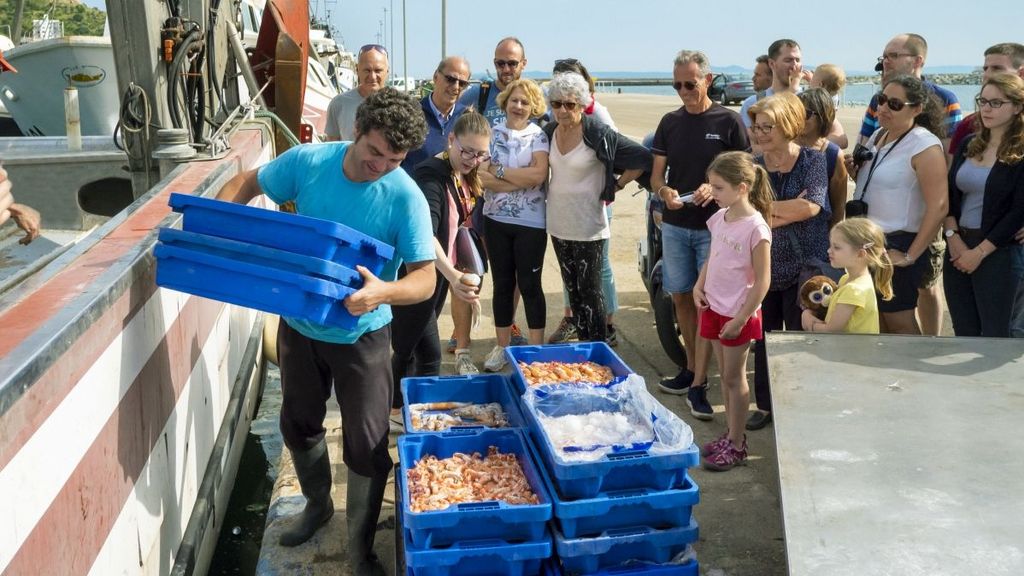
x=496 y=360
x=464 y=363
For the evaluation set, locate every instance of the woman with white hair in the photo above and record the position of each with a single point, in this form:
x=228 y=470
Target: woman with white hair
x=589 y=163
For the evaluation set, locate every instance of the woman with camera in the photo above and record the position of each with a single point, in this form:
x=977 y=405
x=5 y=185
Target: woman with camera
x=901 y=186
x=821 y=114
x=800 y=221
x=986 y=208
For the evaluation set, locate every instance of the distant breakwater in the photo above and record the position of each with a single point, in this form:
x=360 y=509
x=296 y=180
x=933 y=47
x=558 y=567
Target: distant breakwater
x=972 y=78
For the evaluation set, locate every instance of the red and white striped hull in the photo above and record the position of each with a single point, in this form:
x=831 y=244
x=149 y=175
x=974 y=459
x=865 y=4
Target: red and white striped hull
x=123 y=406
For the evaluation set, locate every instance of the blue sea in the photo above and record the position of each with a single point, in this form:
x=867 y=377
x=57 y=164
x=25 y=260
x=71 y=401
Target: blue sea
x=853 y=95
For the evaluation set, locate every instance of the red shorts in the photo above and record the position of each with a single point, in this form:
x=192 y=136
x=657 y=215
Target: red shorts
x=711 y=324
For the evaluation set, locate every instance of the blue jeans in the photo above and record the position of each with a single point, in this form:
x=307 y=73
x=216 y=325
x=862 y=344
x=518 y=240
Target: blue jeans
x=684 y=252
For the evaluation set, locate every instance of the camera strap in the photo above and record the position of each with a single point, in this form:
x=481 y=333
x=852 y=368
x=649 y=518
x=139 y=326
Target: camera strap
x=876 y=163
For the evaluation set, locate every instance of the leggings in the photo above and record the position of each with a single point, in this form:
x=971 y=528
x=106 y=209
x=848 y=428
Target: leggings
x=779 y=308
x=415 y=343
x=580 y=265
x=516 y=254
x=611 y=297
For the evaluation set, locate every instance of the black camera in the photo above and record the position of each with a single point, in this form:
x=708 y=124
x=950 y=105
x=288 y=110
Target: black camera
x=862 y=154
x=857 y=208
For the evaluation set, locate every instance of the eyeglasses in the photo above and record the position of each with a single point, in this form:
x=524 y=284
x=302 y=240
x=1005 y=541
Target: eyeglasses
x=472 y=156
x=894 y=55
x=688 y=85
x=765 y=129
x=457 y=81
x=569 y=106
x=506 y=63
x=894 y=104
x=377 y=47
x=995 y=104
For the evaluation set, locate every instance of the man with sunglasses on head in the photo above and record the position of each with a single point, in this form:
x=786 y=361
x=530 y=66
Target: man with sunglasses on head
x=441 y=108
x=509 y=63
x=685 y=143
x=372 y=73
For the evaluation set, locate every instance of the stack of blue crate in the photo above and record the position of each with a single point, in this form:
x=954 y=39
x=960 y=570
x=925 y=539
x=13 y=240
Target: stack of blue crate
x=478 y=537
x=287 y=264
x=627 y=513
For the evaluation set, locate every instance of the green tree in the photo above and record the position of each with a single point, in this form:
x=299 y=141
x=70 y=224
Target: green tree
x=78 y=19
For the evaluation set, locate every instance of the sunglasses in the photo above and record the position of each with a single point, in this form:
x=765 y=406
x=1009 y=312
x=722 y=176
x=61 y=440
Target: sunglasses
x=569 y=106
x=457 y=81
x=688 y=85
x=995 y=104
x=377 y=47
x=894 y=104
x=567 y=63
x=811 y=114
x=472 y=156
x=506 y=63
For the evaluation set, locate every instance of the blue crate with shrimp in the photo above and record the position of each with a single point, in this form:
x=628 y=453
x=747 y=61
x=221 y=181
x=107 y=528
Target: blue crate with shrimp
x=451 y=403
x=625 y=548
x=688 y=568
x=289 y=232
x=601 y=439
x=596 y=352
x=487 y=520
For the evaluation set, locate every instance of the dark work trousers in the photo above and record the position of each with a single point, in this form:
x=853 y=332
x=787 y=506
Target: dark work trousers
x=580 y=264
x=415 y=341
x=779 y=309
x=981 y=303
x=516 y=254
x=361 y=375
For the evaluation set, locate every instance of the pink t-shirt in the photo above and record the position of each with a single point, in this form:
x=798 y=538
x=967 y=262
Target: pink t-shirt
x=730 y=260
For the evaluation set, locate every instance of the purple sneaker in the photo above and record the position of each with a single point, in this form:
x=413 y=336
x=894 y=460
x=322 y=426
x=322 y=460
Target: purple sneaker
x=715 y=445
x=727 y=458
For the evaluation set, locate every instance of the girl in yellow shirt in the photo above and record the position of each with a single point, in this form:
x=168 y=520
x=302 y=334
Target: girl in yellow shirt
x=858 y=246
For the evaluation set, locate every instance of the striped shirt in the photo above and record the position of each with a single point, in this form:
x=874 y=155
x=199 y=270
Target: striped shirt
x=949 y=101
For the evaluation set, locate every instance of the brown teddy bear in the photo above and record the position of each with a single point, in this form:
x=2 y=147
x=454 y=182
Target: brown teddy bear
x=815 y=294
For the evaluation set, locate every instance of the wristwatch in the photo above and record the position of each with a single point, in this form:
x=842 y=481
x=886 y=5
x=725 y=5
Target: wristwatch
x=499 y=172
x=949 y=232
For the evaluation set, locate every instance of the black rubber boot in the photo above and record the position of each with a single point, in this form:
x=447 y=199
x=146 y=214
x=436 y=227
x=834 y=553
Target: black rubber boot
x=313 y=469
x=362 y=510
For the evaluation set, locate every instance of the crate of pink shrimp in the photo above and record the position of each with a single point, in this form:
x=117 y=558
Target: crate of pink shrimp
x=471 y=485
x=588 y=362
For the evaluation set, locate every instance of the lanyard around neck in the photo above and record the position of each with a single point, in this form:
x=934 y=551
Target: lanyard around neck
x=875 y=163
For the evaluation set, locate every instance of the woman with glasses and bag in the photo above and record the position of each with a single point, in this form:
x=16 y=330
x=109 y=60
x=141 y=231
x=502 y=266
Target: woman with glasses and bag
x=986 y=209
x=901 y=186
x=451 y=183
x=821 y=114
x=799 y=222
x=585 y=157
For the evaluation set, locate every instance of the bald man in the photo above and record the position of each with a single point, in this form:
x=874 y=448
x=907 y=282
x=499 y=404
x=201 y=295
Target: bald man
x=372 y=71
x=509 y=63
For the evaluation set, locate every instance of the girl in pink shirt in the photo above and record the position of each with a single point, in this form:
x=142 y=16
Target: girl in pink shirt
x=731 y=286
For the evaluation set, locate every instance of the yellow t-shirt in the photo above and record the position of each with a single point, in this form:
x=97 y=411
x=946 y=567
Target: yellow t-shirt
x=859 y=293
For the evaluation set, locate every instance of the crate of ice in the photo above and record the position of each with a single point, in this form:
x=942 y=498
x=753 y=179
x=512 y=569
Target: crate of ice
x=596 y=352
x=289 y=232
x=624 y=547
x=488 y=520
x=600 y=439
x=452 y=403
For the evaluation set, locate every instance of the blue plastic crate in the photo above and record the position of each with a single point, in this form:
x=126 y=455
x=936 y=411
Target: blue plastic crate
x=660 y=509
x=691 y=568
x=480 y=557
x=491 y=520
x=289 y=232
x=477 y=389
x=251 y=285
x=618 y=546
x=624 y=470
x=261 y=255
x=597 y=352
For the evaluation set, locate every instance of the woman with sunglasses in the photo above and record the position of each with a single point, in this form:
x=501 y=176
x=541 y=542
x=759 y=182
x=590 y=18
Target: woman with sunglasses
x=800 y=219
x=451 y=183
x=514 y=214
x=821 y=115
x=986 y=208
x=905 y=191
x=585 y=157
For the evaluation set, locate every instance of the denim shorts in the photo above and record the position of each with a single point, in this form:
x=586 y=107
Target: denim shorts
x=684 y=250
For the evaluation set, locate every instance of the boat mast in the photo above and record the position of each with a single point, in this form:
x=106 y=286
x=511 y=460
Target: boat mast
x=19 y=12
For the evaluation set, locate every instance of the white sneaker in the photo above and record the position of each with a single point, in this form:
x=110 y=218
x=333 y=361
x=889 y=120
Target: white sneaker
x=464 y=363
x=495 y=361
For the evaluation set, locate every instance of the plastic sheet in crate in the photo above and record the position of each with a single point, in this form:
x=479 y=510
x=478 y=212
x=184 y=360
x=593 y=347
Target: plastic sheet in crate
x=597 y=352
x=475 y=520
x=620 y=546
x=262 y=256
x=252 y=285
x=290 y=232
x=688 y=568
x=477 y=389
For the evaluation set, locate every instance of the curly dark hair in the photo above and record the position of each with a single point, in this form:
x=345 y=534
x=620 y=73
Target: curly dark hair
x=397 y=116
x=932 y=116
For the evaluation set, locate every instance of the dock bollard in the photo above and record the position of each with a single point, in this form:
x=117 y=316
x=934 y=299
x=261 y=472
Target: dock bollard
x=72 y=119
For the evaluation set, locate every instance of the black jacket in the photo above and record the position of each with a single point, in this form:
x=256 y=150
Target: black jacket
x=617 y=152
x=1002 y=211
x=434 y=177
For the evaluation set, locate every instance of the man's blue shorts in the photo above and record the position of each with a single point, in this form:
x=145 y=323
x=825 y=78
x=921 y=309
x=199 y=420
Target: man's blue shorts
x=684 y=251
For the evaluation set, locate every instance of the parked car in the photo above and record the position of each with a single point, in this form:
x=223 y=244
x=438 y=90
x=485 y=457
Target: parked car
x=730 y=88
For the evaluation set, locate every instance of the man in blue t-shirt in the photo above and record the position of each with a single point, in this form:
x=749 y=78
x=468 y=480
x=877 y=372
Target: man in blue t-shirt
x=509 y=63
x=355 y=184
